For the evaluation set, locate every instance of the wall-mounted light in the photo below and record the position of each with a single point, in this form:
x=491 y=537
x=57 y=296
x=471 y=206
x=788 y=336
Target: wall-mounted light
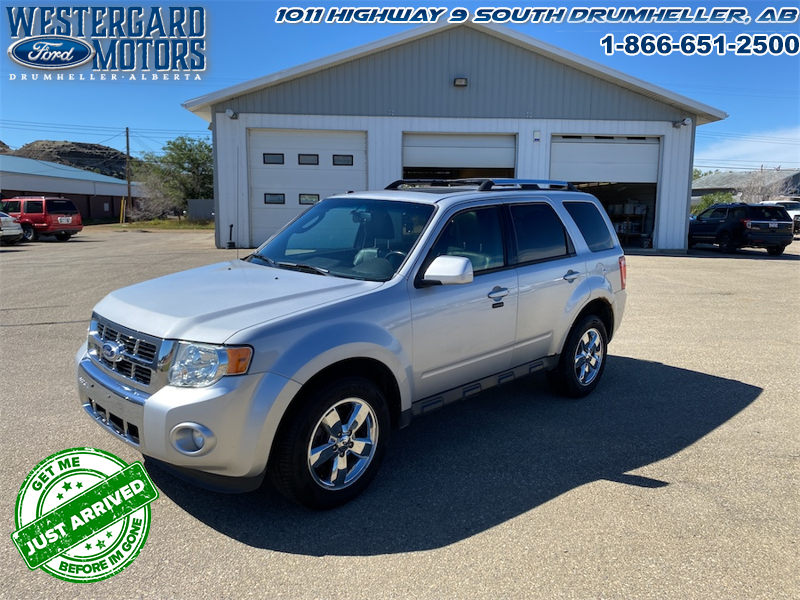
x=231 y=114
x=460 y=82
x=537 y=136
x=685 y=123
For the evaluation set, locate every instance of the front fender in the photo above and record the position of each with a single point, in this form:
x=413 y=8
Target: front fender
x=312 y=353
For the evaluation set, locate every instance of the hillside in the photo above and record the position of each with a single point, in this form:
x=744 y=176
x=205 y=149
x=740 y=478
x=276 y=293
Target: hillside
x=89 y=157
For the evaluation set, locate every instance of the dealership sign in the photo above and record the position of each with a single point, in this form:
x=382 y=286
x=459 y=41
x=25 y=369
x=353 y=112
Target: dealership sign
x=113 y=39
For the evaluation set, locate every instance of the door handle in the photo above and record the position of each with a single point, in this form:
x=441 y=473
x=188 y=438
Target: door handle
x=498 y=293
x=571 y=275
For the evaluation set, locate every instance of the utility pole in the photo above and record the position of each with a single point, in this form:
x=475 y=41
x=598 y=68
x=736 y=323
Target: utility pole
x=129 y=201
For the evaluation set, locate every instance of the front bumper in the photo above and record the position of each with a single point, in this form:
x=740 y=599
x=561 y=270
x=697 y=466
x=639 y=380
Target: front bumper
x=242 y=412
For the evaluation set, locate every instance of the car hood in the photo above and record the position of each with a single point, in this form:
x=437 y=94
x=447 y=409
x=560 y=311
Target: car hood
x=210 y=304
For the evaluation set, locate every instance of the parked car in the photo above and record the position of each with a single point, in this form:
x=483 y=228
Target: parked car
x=45 y=215
x=11 y=229
x=367 y=310
x=740 y=225
x=792 y=207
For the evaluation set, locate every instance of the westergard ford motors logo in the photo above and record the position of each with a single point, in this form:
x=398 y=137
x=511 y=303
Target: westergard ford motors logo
x=155 y=43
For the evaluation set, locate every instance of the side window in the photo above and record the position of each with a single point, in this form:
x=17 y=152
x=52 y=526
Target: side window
x=540 y=233
x=592 y=225
x=12 y=206
x=34 y=207
x=476 y=235
x=718 y=213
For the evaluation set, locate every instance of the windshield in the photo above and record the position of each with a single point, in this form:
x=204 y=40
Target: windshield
x=348 y=237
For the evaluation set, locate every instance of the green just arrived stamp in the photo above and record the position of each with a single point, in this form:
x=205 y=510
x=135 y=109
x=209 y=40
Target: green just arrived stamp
x=83 y=515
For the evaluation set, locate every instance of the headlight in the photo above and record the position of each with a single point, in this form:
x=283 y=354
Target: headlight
x=200 y=365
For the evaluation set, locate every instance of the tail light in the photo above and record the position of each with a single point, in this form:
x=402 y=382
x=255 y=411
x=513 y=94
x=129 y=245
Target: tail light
x=747 y=223
x=623 y=271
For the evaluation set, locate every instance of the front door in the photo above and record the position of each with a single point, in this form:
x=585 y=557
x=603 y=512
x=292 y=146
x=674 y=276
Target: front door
x=463 y=333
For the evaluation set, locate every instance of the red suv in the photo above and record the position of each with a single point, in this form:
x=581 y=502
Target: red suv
x=45 y=215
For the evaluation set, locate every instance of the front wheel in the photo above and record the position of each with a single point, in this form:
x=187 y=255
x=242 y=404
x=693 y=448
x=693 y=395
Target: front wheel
x=332 y=444
x=776 y=250
x=726 y=242
x=583 y=359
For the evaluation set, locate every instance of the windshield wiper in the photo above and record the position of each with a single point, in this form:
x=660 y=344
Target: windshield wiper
x=266 y=259
x=303 y=267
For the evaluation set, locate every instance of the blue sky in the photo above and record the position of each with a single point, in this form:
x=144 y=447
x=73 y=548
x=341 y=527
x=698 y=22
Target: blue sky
x=760 y=93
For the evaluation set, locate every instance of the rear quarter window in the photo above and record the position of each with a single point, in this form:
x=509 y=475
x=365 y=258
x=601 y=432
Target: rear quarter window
x=591 y=224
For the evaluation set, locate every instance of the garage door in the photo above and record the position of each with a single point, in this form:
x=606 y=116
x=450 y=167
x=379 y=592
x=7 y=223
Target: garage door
x=599 y=158
x=466 y=151
x=292 y=169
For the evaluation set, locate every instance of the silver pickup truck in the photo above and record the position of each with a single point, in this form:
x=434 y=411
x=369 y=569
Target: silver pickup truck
x=369 y=309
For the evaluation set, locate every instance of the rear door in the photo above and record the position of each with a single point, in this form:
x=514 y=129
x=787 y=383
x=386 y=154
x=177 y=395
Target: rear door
x=548 y=271
x=463 y=333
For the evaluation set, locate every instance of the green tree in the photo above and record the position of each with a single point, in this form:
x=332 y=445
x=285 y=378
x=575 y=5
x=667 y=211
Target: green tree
x=183 y=170
x=709 y=199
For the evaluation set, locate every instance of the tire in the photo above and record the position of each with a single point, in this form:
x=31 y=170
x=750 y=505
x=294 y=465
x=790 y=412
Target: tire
x=776 y=250
x=726 y=242
x=28 y=233
x=315 y=461
x=583 y=359
x=63 y=237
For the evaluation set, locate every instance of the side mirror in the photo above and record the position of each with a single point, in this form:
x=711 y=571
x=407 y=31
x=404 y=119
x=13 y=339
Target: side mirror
x=448 y=270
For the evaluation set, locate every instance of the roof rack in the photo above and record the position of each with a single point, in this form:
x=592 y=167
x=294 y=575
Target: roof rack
x=433 y=183
x=525 y=184
x=485 y=184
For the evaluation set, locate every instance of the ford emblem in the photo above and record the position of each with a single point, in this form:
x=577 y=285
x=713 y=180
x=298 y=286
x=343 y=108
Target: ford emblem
x=51 y=52
x=112 y=351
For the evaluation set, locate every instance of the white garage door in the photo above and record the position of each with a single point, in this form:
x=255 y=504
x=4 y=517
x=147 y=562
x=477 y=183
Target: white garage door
x=459 y=150
x=604 y=159
x=291 y=169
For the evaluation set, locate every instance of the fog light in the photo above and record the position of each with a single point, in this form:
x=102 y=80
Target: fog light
x=192 y=439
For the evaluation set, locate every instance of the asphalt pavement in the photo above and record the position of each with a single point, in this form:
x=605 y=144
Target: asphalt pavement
x=677 y=478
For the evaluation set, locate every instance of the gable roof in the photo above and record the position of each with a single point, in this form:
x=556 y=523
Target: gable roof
x=202 y=105
x=18 y=165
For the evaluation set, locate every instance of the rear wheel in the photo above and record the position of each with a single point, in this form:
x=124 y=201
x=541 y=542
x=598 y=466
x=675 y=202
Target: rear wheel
x=28 y=233
x=776 y=250
x=583 y=359
x=63 y=237
x=332 y=445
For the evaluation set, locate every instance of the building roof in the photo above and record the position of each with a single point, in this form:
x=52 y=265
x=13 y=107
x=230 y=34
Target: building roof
x=737 y=180
x=18 y=165
x=202 y=105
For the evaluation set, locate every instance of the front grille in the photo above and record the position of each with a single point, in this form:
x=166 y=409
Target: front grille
x=138 y=360
x=115 y=423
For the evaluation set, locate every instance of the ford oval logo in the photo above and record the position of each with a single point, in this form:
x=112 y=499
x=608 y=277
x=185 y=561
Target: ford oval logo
x=51 y=52
x=112 y=351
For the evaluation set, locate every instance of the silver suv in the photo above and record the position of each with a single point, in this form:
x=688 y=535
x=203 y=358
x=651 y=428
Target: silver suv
x=369 y=309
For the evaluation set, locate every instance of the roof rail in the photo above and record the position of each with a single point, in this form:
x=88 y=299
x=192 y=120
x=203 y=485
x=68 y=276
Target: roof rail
x=525 y=184
x=433 y=183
